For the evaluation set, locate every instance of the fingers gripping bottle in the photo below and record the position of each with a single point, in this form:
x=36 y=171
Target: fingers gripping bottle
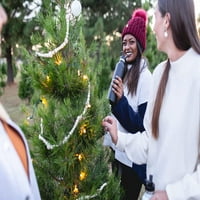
x=149 y=188
x=119 y=71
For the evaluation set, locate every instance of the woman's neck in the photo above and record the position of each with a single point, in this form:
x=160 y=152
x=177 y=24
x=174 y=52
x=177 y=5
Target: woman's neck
x=172 y=51
x=174 y=54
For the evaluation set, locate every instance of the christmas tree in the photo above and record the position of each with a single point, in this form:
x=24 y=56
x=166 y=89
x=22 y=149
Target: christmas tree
x=63 y=83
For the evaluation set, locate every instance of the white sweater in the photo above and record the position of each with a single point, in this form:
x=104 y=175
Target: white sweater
x=174 y=158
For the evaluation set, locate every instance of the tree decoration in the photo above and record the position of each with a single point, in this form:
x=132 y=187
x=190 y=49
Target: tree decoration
x=74 y=11
x=78 y=119
x=58 y=59
x=44 y=101
x=85 y=77
x=95 y=195
x=76 y=8
x=75 y=190
x=50 y=54
x=83 y=129
x=80 y=156
x=46 y=82
x=83 y=175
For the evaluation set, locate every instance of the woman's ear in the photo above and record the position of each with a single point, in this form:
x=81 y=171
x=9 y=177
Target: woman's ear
x=166 y=20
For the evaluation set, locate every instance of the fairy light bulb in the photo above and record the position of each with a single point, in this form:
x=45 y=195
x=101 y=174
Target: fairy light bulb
x=75 y=190
x=76 y=8
x=80 y=156
x=85 y=77
x=82 y=176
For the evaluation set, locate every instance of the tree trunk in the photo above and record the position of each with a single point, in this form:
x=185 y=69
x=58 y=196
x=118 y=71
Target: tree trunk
x=10 y=74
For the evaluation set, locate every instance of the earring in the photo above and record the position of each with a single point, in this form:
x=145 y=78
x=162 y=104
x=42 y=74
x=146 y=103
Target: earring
x=165 y=34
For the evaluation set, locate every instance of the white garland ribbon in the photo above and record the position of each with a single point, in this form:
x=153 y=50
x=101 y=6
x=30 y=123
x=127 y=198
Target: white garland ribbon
x=66 y=138
x=50 y=54
x=92 y=196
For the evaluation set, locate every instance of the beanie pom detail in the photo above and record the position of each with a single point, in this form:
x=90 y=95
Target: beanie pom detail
x=140 y=13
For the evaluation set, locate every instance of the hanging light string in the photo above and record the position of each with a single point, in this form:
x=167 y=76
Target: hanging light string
x=92 y=196
x=50 y=54
x=66 y=138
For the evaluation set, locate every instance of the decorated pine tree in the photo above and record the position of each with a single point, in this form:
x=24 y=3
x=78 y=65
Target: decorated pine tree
x=68 y=102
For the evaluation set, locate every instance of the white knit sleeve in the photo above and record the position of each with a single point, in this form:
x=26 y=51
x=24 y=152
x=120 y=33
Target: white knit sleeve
x=134 y=145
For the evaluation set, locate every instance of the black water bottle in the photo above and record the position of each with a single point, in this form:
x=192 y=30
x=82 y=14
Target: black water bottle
x=119 y=71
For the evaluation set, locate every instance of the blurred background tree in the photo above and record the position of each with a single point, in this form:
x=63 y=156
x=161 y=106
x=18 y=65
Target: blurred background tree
x=16 y=32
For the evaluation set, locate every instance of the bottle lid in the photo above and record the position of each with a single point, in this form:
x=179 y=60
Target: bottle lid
x=149 y=185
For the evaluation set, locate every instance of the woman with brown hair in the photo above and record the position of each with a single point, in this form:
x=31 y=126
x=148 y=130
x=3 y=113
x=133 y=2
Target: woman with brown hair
x=171 y=143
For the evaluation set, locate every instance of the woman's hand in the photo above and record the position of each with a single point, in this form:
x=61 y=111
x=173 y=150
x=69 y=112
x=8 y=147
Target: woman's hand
x=160 y=195
x=110 y=125
x=117 y=87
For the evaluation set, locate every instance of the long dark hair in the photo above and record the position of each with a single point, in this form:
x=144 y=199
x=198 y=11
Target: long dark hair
x=184 y=33
x=132 y=75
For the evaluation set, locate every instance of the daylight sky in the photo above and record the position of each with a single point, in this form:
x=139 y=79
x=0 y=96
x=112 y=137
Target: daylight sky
x=197 y=7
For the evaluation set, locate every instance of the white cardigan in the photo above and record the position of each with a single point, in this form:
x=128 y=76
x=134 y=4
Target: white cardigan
x=14 y=183
x=174 y=158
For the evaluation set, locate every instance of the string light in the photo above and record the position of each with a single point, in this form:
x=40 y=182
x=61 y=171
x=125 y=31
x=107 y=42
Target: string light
x=75 y=190
x=80 y=156
x=48 y=79
x=89 y=105
x=44 y=101
x=46 y=82
x=66 y=138
x=83 y=129
x=58 y=59
x=82 y=176
x=85 y=77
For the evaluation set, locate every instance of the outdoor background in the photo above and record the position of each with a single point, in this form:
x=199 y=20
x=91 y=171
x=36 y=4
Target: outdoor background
x=59 y=96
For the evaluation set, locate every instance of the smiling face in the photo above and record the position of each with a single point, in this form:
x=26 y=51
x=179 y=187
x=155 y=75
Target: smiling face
x=129 y=47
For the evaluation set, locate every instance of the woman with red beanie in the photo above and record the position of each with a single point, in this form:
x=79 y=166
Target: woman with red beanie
x=132 y=93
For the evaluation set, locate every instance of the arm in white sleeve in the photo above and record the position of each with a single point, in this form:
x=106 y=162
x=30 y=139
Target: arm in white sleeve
x=186 y=188
x=134 y=145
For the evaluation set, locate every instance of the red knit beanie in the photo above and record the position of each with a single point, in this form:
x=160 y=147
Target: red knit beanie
x=136 y=26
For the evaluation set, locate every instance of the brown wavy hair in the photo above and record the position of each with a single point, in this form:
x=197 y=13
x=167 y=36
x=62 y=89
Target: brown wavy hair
x=132 y=75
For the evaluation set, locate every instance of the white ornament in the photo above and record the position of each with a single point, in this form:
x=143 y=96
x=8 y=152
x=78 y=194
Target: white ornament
x=76 y=8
